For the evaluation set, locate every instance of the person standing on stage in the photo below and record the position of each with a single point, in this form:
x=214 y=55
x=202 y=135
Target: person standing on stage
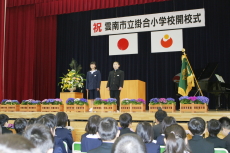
x=115 y=82
x=93 y=82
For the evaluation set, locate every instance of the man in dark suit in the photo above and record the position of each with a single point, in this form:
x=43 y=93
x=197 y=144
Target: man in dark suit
x=159 y=116
x=198 y=144
x=115 y=82
x=214 y=127
x=125 y=123
x=108 y=132
x=4 y=123
x=225 y=129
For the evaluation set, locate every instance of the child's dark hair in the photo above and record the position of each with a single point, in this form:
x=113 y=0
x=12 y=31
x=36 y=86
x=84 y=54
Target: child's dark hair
x=196 y=125
x=167 y=121
x=116 y=62
x=48 y=122
x=41 y=136
x=160 y=115
x=144 y=130
x=125 y=120
x=92 y=124
x=20 y=125
x=108 y=129
x=129 y=143
x=3 y=119
x=93 y=63
x=52 y=117
x=32 y=121
x=62 y=119
x=214 y=127
x=225 y=122
x=175 y=139
x=10 y=143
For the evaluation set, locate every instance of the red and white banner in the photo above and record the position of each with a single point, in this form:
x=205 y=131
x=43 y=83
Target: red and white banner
x=149 y=22
x=167 y=41
x=123 y=44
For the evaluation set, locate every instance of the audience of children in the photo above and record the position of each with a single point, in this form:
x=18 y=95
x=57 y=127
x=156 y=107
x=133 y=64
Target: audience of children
x=103 y=135
x=144 y=130
x=125 y=120
x=90 y=139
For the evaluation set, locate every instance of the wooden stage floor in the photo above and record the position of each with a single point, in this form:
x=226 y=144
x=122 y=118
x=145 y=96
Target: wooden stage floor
x=139 y=116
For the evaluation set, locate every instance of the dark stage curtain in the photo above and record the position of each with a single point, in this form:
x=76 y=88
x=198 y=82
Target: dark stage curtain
x=2 y=20
x=30 y=56
x=203 y=45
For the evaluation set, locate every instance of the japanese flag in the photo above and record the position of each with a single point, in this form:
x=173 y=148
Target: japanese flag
x=123 y=44
x=167 y=41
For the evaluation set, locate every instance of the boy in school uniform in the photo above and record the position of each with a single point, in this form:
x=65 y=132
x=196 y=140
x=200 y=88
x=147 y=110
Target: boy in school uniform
x=214 y=128
x=115 y=82
x=198 y=144
x=225 y=130
x=107 y=132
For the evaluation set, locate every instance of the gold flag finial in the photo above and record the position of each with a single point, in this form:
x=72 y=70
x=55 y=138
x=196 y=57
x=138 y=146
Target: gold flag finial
x=183 y=51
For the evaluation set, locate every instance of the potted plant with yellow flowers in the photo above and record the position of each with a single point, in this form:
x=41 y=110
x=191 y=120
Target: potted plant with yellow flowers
x=73 y=79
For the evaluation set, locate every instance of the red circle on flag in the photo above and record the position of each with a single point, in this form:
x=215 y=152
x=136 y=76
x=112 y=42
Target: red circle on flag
x=123 y=44
x=167 y=43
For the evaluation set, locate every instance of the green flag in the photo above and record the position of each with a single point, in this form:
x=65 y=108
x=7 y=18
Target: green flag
x=186 y=77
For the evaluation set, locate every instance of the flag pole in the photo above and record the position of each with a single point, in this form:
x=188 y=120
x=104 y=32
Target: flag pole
x=183 y=50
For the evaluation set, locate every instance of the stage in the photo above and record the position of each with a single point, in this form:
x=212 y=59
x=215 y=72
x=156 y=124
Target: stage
x=78 y=120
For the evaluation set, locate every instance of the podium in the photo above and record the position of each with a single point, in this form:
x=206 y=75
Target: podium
x=132 y=89
x=65 y=95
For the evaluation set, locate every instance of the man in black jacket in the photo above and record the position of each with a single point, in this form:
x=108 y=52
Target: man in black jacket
x=115 y=82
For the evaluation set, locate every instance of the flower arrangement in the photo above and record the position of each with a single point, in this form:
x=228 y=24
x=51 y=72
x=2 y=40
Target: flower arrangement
x=195 y=100
x=31 y=102
x=127 y=101
x=155 y=101
x=73 y=79
x=9 y=102
x=52 y=101
x=77 y=101
x=109 y=101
